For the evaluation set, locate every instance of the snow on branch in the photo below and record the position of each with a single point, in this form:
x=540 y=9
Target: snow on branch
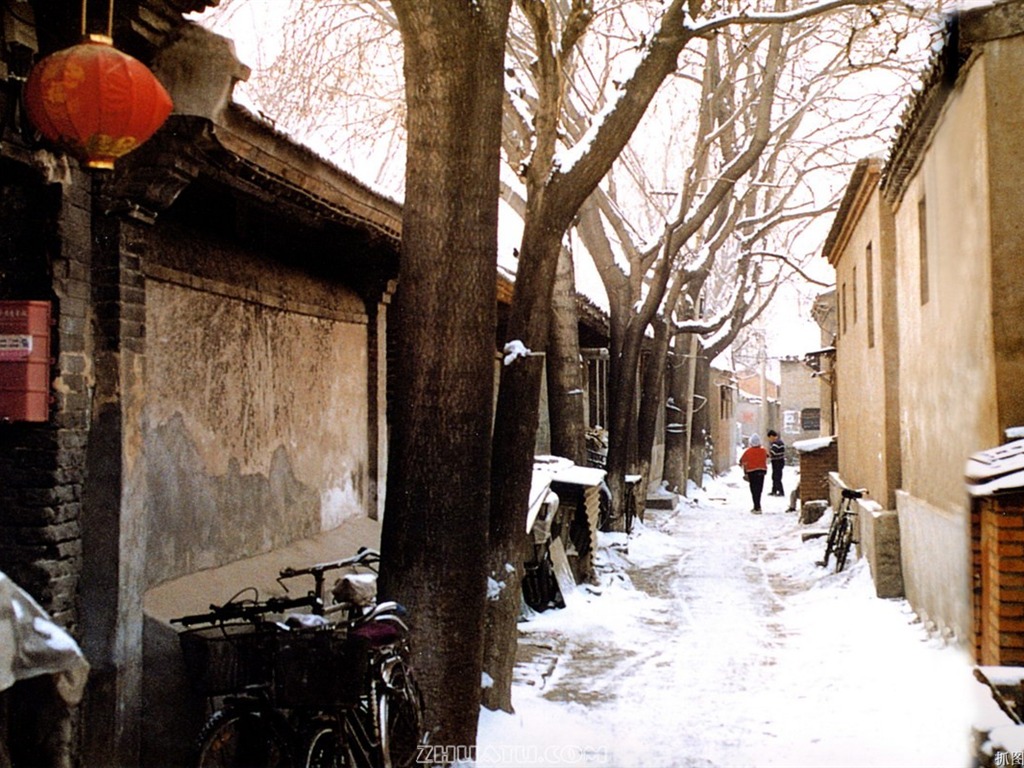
x=777 y=17
x=514 y=350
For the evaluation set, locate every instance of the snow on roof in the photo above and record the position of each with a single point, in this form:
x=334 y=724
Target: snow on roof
x=997 y=470
x=813 y=444
x=564 y=471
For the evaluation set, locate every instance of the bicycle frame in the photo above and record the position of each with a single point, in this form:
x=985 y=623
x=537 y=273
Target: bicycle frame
x=841 y=530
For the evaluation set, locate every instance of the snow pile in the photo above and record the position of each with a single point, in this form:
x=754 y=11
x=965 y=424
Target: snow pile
x=713 y=639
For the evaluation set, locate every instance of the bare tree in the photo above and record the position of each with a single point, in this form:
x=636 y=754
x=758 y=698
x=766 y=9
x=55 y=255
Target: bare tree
x=435 y=525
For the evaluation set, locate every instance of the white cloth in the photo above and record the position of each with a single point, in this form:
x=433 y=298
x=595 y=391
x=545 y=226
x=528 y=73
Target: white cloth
x=32 y=644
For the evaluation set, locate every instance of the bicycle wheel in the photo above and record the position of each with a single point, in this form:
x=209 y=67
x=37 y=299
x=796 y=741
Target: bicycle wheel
x=833 y=535
x=845 y=541
x=243 y=738
x=400 y=705
x=325 y=747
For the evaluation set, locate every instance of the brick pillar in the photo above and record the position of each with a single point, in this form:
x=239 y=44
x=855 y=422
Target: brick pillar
x=815 y=467
x=999 y=600
x=113 y=517
x=976 y=577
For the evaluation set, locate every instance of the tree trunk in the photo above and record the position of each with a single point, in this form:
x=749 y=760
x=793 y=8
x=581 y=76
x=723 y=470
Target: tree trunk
x=515 y=430
x=565 y=371
x=702 y=416
x=675 y=439
x=622 y=417
x=434 y=536
x=651 y=403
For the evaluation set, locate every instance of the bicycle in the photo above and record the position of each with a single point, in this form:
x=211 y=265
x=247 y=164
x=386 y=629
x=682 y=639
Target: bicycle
x=385 y=727
x=302 y=690
x=231 y=660
x=841 y=530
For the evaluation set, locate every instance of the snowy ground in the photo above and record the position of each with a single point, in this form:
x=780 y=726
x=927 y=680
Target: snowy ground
x=716 y=641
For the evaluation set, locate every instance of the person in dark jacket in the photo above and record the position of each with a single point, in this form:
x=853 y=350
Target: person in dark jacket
x=777 y=455
x=755 y=465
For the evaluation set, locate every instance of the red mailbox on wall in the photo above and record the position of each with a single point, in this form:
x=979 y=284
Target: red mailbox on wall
x=24 y=360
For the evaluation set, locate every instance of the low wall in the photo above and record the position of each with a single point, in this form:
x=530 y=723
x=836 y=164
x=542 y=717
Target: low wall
x=878 y=537
x=935 y=558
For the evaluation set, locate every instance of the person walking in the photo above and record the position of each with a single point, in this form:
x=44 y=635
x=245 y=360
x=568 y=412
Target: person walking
x=777 y=456
x=755 y=466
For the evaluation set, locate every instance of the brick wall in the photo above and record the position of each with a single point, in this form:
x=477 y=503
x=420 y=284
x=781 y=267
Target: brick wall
x=999 y=575
x=814 y=470
x=45 y=256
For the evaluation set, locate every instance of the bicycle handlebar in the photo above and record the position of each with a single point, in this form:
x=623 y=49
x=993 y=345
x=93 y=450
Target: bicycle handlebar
x=249 y=610
x=366 y=557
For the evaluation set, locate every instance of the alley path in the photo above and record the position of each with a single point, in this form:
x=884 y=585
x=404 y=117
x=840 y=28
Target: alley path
x=727 y=646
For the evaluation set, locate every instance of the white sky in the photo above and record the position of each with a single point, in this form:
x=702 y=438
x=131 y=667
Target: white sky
x=253 y=26
x=717 y=641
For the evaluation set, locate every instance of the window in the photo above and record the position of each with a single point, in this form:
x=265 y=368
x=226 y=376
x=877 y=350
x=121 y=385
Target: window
x=810 y=419
x=725 y=396
x=922 y=233
x=853 y=283
x=869 y=277
x=842 y=309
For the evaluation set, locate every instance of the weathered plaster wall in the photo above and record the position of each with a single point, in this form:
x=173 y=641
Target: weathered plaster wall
x=936 y=564
x=947 y=391
x=722 y=417
x=798 y=390
x=865 y=379
x=1004 y=62
x=948 y=399
x=256 y=417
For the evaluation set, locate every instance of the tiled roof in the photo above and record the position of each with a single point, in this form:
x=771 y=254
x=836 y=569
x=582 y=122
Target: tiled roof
x=964 y=34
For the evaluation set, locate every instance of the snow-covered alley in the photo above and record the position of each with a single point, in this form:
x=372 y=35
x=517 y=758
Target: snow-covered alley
x=715 y=640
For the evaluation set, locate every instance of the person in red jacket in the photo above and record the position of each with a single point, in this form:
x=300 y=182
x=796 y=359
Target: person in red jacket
x=755 y=464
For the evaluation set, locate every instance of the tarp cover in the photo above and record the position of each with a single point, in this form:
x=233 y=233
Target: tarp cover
x=31 y=644
x=998 y=470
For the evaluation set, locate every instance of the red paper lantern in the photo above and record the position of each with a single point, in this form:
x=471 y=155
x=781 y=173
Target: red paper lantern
x=95 y=101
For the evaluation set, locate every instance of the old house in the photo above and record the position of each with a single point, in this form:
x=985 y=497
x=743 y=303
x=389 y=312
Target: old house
x=757 y=408
x=218 y=371
x=822 y=361
x=722 y=425
x=930 y=346
x=865 y=372
x=866 y=375
x=800 y=403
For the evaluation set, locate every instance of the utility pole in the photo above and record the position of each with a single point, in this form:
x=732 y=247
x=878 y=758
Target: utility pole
x=762 y=357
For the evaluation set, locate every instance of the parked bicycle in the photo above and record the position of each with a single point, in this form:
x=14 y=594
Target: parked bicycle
x=842 y=529
x=292 y=687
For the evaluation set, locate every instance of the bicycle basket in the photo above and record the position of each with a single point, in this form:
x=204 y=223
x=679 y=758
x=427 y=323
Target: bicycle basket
x=317 y=668
x=226 y=658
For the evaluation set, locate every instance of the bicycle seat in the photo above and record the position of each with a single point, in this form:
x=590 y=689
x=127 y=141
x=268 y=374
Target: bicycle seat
x=851 y=493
